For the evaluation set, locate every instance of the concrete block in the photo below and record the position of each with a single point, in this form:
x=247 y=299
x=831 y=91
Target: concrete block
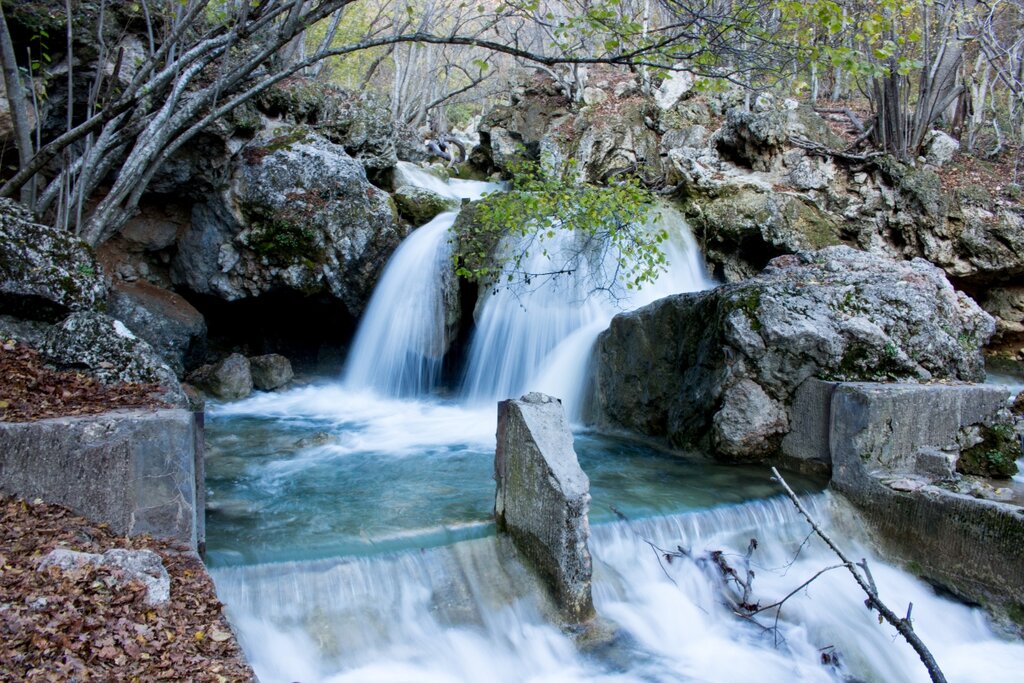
x=543 y=498
x=134 y=470
x=806 y=446
x=893 y=446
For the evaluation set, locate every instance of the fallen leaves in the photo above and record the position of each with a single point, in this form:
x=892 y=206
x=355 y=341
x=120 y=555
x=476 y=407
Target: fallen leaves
x=31 y=391
x=78 y=626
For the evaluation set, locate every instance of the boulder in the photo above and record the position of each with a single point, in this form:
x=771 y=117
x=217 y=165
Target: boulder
x=673 y=88
x=143 y=566
x=1006 y=305
x=45 y=273
x=271 y=371
x=747 y=226
x=419 y=205
x=594 y=96
x=229 y=379
x=170 y=324
x=718 y=369
x=300 y=215
x=757 y=139
x=108 y=350
x=361 y=122
x=543 y=498
x=939 y=148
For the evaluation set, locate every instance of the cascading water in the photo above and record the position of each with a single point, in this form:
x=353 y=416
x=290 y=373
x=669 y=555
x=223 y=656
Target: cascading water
x=349 y=524
x=399 y=347
x=539 y=337
x=468 y=612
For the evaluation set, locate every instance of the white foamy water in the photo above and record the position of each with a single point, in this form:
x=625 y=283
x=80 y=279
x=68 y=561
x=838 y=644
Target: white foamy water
x=539 y=337
x=400 y=345
x=468 y=613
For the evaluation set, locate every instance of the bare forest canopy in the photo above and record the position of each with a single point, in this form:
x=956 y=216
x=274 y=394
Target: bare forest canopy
x=134 y=81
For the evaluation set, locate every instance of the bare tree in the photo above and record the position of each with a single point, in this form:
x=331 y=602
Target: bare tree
x=208 y=58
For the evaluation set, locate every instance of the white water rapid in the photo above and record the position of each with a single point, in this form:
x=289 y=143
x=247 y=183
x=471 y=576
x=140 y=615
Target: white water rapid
x=350 y=534
x=464 y=613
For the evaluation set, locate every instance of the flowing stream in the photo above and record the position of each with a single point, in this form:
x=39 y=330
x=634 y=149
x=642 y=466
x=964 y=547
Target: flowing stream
x=349 y=527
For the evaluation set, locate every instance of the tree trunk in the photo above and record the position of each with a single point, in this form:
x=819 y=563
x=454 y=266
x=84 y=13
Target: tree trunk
x=18 y=103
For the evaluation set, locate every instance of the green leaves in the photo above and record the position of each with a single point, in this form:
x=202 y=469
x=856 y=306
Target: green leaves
x=612 y=219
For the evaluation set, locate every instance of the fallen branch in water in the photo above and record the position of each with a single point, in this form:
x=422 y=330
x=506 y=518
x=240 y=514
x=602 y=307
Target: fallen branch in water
x=862 y=575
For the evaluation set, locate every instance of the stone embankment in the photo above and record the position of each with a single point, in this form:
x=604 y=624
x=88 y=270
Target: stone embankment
x=899 y=453
x=139 y=471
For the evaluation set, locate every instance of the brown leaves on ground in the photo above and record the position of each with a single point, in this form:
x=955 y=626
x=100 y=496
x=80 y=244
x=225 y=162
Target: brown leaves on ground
x=31 y=391
x=73 y=626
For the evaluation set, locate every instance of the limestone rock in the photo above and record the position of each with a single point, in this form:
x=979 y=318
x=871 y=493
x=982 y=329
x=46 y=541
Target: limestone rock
x=170 y=324
x=939 y=148
x=107 y=349
x=144 y=566
x=300 y=215
x=593 y=96
x=758 y=139
x=673 y=88
x=229 y=379
x=271 y=371
x=685 y=366
x=45 y=273
x=419 y=205
x=543 y=498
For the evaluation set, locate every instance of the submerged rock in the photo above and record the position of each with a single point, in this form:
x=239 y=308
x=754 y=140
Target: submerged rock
x=543 y=498
x=719 y=369
x=45 y=273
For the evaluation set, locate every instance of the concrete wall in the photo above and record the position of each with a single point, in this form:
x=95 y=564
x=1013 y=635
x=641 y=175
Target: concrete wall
x=139 y=471
x=892 y=449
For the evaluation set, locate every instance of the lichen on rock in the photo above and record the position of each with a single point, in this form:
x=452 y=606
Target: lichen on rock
x=718 y=369
x=45 y=273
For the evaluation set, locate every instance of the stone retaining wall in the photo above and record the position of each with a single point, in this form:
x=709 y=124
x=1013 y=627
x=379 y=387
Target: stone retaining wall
x=140 y=471
x=893 y=449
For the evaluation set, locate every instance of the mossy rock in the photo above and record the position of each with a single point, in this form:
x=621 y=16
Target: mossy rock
x=995 y=456
x=420 y=205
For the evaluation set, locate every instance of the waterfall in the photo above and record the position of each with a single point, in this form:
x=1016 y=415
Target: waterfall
x=469 y=612
x=402 y=338
x=540 y=337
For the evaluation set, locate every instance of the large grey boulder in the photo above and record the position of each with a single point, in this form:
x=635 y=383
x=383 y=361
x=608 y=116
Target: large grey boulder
x=45 y=273
x=543 y=498
x=230 y=378
x=170 y=324
x=719 y=369
x=270 y=371
x=143 y=566
x=109 y=351
x=299 y=215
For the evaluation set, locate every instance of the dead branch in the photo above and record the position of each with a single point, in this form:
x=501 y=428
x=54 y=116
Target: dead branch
x=848 y=113
x=823 y=151
x=867 y=584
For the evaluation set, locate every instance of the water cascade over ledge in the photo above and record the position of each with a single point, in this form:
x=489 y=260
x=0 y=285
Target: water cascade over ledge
x=349 y=527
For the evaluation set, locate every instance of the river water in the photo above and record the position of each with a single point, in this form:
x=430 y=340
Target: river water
x=349 y=528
